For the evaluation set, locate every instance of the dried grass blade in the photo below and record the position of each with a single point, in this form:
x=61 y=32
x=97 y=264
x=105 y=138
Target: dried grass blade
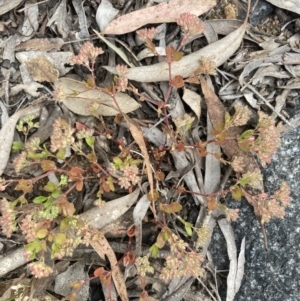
x=103 y=248
x=137 y=135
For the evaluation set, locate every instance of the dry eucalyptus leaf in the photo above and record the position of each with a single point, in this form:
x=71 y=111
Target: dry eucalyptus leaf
x=139 y=213
x=100 y=217
x=82 y=20
x=105 y=14
x=59 y=20
x=75 y=272
x=218 y=52
x=42 y=70
x=148 y=53
x=30 y=23
x=57 y=59
x=291 y=5
x=228 y=233
x=41 y=45
x=81 y=101
x=212 y=177
x=193 y=100
x=161 y=13
x=7 y=5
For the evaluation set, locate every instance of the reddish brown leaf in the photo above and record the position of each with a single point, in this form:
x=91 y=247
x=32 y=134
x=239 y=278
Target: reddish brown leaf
x=24 y=185
x=65 y=207
x=170 y=208
x=216 y=112
x=102 y=247
x=212 y=204
x=48 y=165
x=177 y=82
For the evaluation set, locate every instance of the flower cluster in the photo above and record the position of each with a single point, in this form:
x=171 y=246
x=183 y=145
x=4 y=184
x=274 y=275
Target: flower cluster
x=252 y=178
x=183 y=124
x=268 y=140
x=121 y=69
x=85 y=234
x=146 y=34
x=266 y=206
x=203 y=234
x=26 y=123
x=51 y=212
x=143 y=266
x=67 y=248
x=87 y=52
x=264 y=140
x=28 y=228
x=188 y=264
x=238 y=164
x=62 y=135
x=181 y=262
x=85 y=133
x=121 y=84
x=33 y=144
x=40 y=269
x=130 y=176
x=232 y=214
x=207 y=66
x=190 y=24
x=7 y=221
x=21 y=161
x=283 y=194
x=241 y=115
x=177 y=245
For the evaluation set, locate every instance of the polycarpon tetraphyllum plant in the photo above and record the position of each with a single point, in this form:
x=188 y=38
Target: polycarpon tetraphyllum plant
x=50 y=223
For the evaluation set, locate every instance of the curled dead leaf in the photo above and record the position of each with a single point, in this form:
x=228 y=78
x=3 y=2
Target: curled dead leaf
x=78 y=98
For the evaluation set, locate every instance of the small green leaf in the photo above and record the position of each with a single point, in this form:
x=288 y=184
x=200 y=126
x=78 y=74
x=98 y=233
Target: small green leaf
x=188 y=229
x=55 y=249
x=50 y=187
x=40 y=199
x=64 y=225
x=90 y=141
x=237 y=192
x=178 y=56
x=244 y=181
x=63 y=180
x=55 y=194
x=60 y=238
x=61 y=153
x=17 y=146
x=42 y=233
x=246 y=135
x=118 y=162
x=154 y=250
x=48 y=203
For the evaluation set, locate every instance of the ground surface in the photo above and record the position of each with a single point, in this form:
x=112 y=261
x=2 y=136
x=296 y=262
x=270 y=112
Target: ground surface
x=272 y=275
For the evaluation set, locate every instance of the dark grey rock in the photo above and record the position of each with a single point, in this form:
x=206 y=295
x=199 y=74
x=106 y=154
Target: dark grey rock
x=273 y=275
x=261 y=12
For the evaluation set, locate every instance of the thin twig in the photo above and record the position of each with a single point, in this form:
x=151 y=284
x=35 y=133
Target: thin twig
x=268 y=105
